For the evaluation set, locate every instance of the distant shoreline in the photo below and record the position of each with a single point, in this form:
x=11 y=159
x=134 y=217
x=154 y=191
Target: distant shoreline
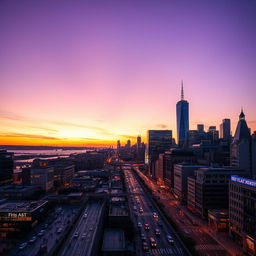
x=18 y=147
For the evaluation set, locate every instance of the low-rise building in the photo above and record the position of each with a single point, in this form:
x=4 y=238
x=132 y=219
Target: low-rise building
x=18 y=218
x=14 y=191
x=42 y=177
x=114 y=243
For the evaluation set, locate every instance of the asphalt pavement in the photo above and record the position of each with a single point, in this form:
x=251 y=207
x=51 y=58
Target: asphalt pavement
x=144 y=209
x=80 y=241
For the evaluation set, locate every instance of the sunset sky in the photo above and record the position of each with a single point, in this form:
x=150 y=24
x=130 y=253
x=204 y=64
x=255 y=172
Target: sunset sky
x=91 y=72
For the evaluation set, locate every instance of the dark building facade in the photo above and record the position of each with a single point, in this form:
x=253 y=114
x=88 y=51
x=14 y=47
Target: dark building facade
x=18 y=218
x=242 y=213
x=212 y=188
x=175 y=156
x=225 y=132
x=6 y=167
x=159 y=141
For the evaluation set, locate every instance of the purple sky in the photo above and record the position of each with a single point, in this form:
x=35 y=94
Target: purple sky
x=78 y=71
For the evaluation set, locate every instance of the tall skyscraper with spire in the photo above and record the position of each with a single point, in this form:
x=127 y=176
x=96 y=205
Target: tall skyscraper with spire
x=182 y=113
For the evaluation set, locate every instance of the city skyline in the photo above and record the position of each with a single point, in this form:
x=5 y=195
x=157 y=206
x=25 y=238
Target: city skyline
x=90 y=73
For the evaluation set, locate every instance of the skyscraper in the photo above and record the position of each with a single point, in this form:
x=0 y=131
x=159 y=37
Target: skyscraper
x=139 y=141
x=225 y=129
x=159 y=141
x=182 y=113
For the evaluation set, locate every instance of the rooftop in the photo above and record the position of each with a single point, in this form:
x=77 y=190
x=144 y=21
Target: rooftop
x=24 y=206
x=16 y=188
x=118 y=211
x=113 y=240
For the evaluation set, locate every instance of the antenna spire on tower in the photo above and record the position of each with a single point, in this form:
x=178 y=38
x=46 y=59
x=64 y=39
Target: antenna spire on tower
x=182 y=91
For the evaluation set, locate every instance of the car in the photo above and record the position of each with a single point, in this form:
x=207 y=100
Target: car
x=140 y=210
x=157 y=232
x=145 y=246
x=76 y=234
x=59 y=230
x=83 y=235
x=146 y=226
x=32 y=240
x=41 y=233
x=155 y=216
x=139 y=225
x=85 y=215
x=22 y=246
x=152 y=242
x=169 y=239
x=91 y=229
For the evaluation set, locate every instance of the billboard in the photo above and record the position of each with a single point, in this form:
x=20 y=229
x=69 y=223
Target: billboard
x=251 y=183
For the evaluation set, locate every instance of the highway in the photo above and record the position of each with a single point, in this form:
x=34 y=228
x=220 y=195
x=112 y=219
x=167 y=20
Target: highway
x=144 y=210
x=49 y=236
x=189 y=224
x=81 y=240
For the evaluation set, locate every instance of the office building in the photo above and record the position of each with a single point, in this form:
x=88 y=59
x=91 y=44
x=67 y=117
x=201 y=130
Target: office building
x=212 y=188
x=254 y=155
x=160 y=169
x=6 y=167
x=118 y=145
x=242 y=213
x=18 y=218
x=213 y=134
x=181 y=173
x=138 y=142
x=42 y=177
x=128 y=144
x=225 y=132
x=191 y=193
x=159 y=141
x=182 y=114
x=200 y=128
x=172 y=157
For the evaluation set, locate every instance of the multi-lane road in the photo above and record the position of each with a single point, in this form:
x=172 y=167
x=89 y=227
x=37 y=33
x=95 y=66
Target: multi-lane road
x=159 y=230
x=46 y=235
x=82 y=237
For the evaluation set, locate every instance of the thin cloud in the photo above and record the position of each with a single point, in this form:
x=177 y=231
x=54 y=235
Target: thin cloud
x=129 y=137
x=93 y=139
x=44 y=129
x=163 y=126
x=78 y=125
x=100 y=120
x=12 y=117
x=29 y=136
